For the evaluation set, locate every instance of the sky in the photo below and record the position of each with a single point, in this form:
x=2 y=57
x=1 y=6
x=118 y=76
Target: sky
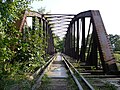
x=109 y=10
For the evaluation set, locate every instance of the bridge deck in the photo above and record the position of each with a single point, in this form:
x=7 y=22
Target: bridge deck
x=57 y=69
x=58 y=76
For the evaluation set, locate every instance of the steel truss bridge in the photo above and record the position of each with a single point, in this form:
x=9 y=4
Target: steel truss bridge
x=85 y=38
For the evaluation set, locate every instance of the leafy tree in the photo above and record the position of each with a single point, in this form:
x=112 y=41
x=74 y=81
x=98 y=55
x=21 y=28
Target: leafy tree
x=115 y=41
x=42 y=10
x=117 y=46
x=18 y=56
x=58 y=44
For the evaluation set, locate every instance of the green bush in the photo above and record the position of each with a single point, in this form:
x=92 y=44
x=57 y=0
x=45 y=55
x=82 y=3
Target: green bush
x=20 y=54
x=117 y=57
x=117 y=52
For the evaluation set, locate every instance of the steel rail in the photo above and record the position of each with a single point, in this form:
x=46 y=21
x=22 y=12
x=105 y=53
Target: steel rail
x=74 y=77
x=41 y=68
x=44 y=69
x=83 y=79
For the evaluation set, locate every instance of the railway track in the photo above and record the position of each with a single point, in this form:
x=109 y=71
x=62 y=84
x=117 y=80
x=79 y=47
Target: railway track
x=81 y=82
x=97 y=78
x=59 y=71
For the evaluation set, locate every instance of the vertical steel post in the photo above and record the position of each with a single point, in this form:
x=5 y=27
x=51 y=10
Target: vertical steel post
x=74 y=39
x=46 y=36
x=71 y=53
x=77 y=48
x=43 y=28
x=33 y=23
x=68 y=43
x=40 y=32
x=82 y=53
x=92 y=58
x=52 y=42
x=49 y=41
x=106 y=53
x=94 y=47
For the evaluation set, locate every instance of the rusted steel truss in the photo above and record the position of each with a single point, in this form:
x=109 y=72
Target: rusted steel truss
x=90 y=43
x=86 y=39
x=43 y=23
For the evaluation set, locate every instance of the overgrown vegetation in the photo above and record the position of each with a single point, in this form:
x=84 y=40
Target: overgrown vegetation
x=99 y=85
x=115 y=41
x=20 y=53
x=110 y=86
x=45 y=82
x=71 y=83
x=58 y=44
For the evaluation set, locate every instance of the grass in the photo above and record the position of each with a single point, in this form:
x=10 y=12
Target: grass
x=110 y=86
x=17 y=82
x=44 y=82
x=94 y=81
x=97 y=81
x=71 y=82
x=117 y=56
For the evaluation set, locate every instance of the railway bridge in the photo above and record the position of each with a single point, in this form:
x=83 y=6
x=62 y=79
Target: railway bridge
x=85 y=38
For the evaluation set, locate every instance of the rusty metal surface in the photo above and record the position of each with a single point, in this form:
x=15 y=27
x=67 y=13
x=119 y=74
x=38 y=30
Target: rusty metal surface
x=103 y=38
x=99 y=42
x=59 y=22
x=31 y=14
x=42 y=20
x=21 y=21
x=80 y=15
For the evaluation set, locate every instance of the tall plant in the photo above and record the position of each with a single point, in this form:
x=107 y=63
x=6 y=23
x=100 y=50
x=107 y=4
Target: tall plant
x=18 y=56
